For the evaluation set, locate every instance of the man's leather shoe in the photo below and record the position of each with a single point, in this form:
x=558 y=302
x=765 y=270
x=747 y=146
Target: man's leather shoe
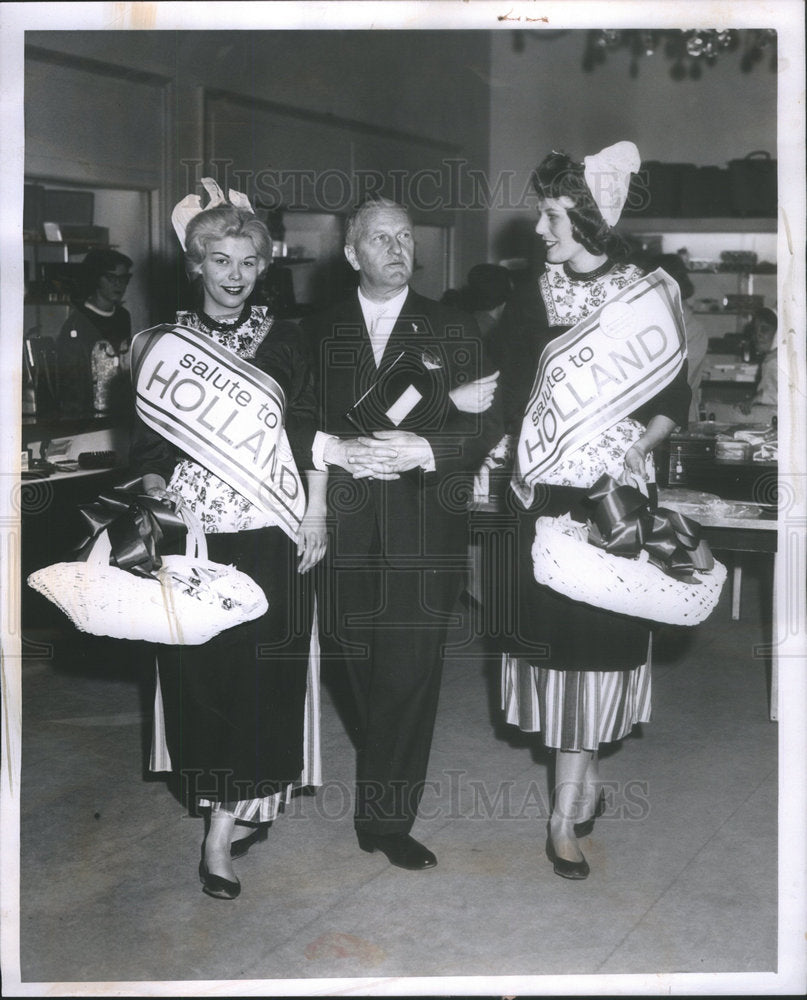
x=402 y=850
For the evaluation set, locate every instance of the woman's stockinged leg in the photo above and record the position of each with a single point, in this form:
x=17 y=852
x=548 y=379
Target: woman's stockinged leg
x=591 y=784
x=242 y=830
x=573 y=770
x=217 y=843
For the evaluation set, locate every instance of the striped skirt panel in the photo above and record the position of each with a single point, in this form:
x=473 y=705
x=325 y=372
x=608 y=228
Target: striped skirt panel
x=575 y=709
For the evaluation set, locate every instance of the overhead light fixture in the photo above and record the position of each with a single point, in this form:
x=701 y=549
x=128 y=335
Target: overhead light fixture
x=688 y=50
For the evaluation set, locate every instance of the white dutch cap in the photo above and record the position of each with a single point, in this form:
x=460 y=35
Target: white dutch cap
x=607 y=175
x=191 y=205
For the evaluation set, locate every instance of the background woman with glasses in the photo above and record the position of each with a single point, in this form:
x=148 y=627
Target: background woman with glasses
x=99 y=325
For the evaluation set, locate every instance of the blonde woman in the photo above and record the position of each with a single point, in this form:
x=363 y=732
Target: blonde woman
x=231 y=719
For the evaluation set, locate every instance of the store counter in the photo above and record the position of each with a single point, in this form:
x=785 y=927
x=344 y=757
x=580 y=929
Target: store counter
x=725 y=378
x=735 y=527
x=65 y=470
x=728 y=368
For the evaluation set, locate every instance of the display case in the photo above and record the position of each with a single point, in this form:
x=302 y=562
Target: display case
x=50 y=270
x=731 y=263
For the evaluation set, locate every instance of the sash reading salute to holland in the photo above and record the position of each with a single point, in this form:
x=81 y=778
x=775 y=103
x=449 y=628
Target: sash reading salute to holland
x=598 y=372
x=222 y=411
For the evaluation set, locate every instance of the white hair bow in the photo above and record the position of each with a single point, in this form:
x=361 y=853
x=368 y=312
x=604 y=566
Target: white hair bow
x=191 y=205
x=607 y=176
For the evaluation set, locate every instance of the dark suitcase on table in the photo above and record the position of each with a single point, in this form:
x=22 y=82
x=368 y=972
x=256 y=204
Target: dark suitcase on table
x=752 y=185
x=656 y=189
x=705 y=193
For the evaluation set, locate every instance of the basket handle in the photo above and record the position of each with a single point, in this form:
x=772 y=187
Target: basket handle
x=195 y=542
x=631 y=479
x=99 y=553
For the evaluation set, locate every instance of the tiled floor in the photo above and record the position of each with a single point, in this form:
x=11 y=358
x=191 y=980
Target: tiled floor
x=684 y=863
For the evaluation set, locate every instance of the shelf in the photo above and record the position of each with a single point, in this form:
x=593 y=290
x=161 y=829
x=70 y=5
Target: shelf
x=744 y=271
x=76 y=244
x=57 y=427
x=727 y=381
x=35 y=476
x=647 y=224
x=724 y=312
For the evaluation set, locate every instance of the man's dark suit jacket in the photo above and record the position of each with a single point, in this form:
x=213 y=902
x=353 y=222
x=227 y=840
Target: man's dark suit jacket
x=421 y=516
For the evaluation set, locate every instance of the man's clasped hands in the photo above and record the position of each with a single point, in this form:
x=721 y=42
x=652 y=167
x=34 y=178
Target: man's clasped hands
x=386 y=454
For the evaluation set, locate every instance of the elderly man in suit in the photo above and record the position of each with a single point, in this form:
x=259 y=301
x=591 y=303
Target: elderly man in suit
x=408 y=413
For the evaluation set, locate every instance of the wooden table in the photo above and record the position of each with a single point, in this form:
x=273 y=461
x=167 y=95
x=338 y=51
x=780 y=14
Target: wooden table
x=491 y=528
x=733 y=534
x=51 y=526
x=738 y=535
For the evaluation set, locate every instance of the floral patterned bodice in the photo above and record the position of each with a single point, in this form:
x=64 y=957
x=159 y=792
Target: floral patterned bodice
x=568 y=300
x=242 y=336
x=218 y=506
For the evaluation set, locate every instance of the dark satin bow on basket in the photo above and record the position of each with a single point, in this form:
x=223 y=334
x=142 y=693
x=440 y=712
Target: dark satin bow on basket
x=138 y=526
x=623 y=523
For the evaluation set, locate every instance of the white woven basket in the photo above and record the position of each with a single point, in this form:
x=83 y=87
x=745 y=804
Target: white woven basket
x=191 y=600
x=564 y=560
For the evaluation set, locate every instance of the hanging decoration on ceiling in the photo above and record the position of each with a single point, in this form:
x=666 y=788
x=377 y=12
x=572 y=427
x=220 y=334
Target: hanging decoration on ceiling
x=689 y=51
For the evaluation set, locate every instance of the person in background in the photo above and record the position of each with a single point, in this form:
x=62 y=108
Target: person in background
x=697 y=338
x=761 y=406
x=230 y=715
x=452 y=297
x=96 y=317
x=485 y=295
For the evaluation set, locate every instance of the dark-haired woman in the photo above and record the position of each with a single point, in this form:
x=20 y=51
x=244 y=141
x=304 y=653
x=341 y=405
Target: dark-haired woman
x=575 y=673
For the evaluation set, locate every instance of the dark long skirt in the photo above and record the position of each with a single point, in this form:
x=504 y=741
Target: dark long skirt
x=233 y=707
x=544 y=626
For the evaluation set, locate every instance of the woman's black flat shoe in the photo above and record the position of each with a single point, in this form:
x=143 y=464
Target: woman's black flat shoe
x=216 y=886
x=238 y=848
x=566 y=869
x=585 y=828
